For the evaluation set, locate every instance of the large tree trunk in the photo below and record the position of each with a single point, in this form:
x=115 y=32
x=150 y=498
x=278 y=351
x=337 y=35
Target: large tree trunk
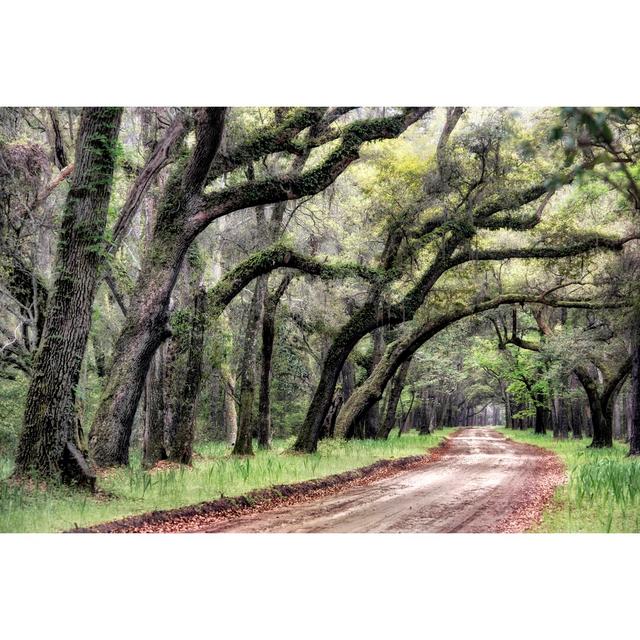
x=349 y=336
x=153 y=444
x=185 y=212
x=184 y=415
x=146 y=323
x=601 y=401
x=145 y=330
x=392 y=401
x=48 y=445
x=602 y=432
x=372 y=419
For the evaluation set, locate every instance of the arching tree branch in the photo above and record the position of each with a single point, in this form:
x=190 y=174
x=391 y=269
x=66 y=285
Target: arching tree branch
x=291 y=187
x=276 y=257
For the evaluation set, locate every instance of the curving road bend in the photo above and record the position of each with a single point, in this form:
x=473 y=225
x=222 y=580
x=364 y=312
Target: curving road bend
x=480 y=482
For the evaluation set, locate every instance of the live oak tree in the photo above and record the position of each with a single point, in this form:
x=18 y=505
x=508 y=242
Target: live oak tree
x=402 y=349
x=349 y=261
x=159 y=156
x=50 y=444
x=475 y=197
x=187 y=209
x=613 y=134
x=600 y=380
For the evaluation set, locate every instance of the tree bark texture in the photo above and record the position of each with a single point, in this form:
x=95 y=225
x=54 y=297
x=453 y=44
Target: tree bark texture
x=185 y=410
x=392 y=401
x=47 y=444
x=146 y=323
x=243 y=445
x=153 y=443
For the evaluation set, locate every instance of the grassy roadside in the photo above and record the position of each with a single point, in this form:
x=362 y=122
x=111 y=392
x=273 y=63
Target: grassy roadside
x=602 y=493
x=214 y=473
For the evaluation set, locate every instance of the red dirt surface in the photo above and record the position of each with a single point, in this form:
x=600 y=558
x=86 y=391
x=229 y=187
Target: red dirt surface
x=476 y=481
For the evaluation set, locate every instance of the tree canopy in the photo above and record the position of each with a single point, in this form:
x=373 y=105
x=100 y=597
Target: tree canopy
x=312 y=273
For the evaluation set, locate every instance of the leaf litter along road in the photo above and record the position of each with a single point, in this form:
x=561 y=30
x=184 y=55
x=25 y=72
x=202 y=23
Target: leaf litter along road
x=482 y=482
x=478 y=481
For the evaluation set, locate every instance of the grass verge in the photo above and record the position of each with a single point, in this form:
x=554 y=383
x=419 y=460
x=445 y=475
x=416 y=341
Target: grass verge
x=214 y=474
x=602 y=494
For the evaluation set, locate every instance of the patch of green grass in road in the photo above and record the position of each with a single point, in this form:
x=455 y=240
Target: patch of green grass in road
x=603 y=490
x=214 y=473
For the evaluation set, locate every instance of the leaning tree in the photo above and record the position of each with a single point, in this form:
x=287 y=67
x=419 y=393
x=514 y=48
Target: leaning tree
x=196 y=194
x=476 y=191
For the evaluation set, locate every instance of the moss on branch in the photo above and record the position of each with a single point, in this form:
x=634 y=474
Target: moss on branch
x=311 y=182
x=282 y=256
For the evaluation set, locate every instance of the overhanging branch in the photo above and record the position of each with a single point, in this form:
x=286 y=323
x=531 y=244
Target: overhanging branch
x=311 y=182
x=281 y=256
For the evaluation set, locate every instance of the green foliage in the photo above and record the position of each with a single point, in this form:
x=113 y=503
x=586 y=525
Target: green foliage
x=495 y=159
x=603 y=490
x=180 y=322
x=12 y=397
x=291 y=380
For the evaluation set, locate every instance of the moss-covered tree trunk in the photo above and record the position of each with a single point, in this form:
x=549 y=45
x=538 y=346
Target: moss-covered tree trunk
x=48 y=445
x=184 y=415
x=153 y=442
x=372 y=419
x=392 y=401
x=154 y=446
x=146 y=327
x=602 y=432
x=359 y=325
x=146 y=323
x=243 y=445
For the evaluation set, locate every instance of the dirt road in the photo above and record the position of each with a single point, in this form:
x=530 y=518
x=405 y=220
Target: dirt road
x=483 y=482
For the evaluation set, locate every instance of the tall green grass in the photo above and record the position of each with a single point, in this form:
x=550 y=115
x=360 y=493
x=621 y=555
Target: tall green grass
x=214 y=473
x=603 y=490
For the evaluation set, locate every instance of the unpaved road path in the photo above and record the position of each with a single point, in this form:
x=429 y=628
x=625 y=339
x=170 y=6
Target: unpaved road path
x=483 y=482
